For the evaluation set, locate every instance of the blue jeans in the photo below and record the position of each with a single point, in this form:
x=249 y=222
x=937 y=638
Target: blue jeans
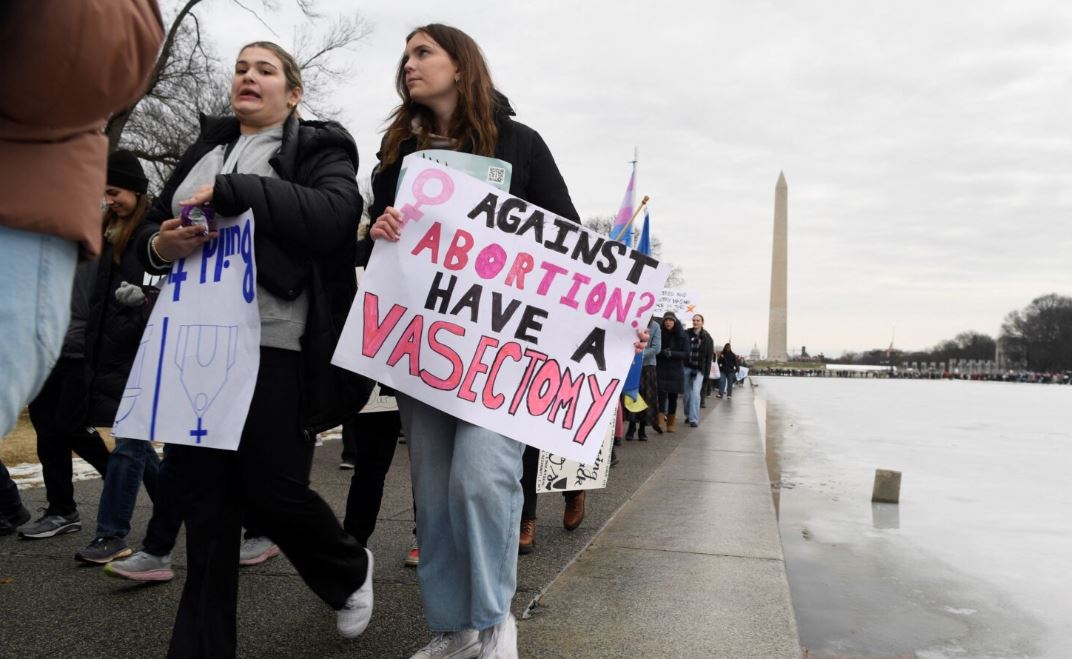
x=132 y=461
x=725 y=383
x=36 y=276
x=693 y=386
x=467 y=487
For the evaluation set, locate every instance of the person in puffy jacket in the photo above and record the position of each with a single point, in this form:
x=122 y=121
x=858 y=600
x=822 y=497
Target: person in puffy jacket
x=670 y=368
x=299 y=179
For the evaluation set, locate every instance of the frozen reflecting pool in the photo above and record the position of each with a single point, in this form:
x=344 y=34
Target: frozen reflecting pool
x=976 y=560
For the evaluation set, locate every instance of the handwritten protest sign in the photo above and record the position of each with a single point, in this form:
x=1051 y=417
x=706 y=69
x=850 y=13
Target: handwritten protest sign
x=557 y=474
x=195 y=370
x=682 y=303
x=500 y=313
x=379 y=402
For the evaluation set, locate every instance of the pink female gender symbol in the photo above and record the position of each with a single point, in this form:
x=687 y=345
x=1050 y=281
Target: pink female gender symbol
x=411 y=212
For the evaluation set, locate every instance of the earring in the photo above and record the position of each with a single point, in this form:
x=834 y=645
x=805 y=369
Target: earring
x=457 y=79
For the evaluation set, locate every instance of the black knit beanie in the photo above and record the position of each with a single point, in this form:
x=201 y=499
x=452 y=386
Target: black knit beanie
x=124 y=171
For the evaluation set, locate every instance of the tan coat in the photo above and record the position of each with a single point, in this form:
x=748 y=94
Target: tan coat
x=64 y=68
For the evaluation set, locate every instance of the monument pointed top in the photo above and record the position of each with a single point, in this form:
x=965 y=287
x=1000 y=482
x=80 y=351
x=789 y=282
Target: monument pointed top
x=781 y=180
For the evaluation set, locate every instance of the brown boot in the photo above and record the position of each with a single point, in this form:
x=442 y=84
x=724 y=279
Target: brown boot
x=527 y=541
x=574 y=513
x=670 y=423
x=660 y=423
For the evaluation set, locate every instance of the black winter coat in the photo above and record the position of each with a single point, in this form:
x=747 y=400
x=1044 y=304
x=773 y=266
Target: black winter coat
x=727 y=362
x=670 y=364
x=112 y=333
x=305 y=239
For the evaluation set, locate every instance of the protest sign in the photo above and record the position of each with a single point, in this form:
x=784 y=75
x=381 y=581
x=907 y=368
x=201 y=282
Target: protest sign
x=379 y=402
x=500 y=313
x=196 y=367
x=742 y=373
x=558 y=474
x=682 y=303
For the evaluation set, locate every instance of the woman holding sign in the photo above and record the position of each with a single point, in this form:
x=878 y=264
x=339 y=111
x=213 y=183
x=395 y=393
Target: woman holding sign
x=298 y=177
x=466 y=479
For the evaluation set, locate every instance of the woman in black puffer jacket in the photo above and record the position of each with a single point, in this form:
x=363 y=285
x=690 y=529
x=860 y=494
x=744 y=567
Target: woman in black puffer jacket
x=670 y=367
x=299 y=178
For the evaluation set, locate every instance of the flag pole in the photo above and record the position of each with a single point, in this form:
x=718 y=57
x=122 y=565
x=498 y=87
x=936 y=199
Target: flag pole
x=634 y=236
x=643 y=203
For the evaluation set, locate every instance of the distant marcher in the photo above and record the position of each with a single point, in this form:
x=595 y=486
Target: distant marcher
x=698 y=364
x=727 y=365
x=670 y=367
x=649 y=389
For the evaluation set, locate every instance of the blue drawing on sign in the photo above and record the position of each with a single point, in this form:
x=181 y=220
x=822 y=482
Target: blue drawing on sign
x=176 y=277
x=133 y=389
x=204 y=355
x=159 y=373
x=231 y=241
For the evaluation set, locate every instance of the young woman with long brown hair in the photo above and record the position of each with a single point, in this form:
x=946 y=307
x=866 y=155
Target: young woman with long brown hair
x=466 y=479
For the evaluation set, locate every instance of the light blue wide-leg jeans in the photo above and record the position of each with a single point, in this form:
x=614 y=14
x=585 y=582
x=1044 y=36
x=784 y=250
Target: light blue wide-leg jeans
x=693 y=387
x=36 y=276
x=467 y=487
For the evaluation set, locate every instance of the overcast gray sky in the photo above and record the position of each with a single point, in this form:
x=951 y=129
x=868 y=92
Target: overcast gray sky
x=927 y=145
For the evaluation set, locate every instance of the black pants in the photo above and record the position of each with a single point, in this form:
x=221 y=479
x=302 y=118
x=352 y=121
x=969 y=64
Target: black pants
x=373 y=438
x=167 y=518
x=530 y=462
x=58 y=417
x=267 y=480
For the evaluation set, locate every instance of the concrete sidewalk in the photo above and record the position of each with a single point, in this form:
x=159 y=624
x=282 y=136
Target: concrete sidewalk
x=691 y=566
x=678 y=557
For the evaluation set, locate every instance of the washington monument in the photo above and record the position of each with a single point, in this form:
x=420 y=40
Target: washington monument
x=779 y=283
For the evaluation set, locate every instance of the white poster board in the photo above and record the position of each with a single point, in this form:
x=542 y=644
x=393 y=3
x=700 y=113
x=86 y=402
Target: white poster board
x=378 y=402
x=684 y=304
x=742 y=373
x=194 y=374
x=558 y=474
x=500 y=313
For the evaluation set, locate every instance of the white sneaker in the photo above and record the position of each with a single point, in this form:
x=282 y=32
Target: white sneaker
x=354 y=616
x=500 y=641
x=257 y=550
x=452 y=645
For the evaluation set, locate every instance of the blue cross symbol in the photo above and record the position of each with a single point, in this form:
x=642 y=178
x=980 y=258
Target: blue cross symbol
x=199 y=432
x=177 y=276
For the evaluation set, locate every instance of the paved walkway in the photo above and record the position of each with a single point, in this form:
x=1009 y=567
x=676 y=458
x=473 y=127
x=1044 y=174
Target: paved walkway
x=678 y=557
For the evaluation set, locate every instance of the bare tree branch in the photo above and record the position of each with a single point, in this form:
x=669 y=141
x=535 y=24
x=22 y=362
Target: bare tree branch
x=189 y=80
x=257 y=16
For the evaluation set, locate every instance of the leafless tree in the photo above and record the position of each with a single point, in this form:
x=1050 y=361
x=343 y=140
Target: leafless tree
x=190 y=80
